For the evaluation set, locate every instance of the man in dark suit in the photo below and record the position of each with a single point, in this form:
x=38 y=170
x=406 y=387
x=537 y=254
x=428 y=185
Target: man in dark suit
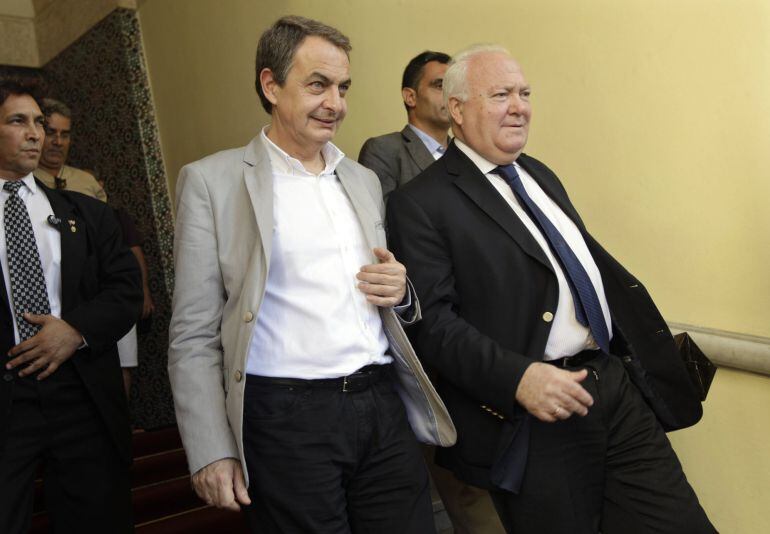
x=69 y=291
x=554 y=362
x=398 y=157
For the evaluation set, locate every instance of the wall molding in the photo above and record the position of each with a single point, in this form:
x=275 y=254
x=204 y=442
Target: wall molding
x=33 y=42
x=730 y=349
x=18 y=44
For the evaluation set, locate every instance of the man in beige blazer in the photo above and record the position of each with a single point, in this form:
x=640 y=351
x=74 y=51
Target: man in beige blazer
x=291 y=373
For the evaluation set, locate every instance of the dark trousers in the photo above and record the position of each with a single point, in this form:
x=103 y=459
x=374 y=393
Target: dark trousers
x=612 y=471
x=86 y=484
x=322 y=460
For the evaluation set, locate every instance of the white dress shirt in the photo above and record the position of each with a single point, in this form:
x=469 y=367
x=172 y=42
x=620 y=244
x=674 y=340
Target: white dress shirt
x=314 y=322
x=567 y=336
x=48 y=244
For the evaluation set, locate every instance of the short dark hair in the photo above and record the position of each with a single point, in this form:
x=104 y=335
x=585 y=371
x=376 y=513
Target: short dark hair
x=279 y=43
x=51 y=106
x=414 y=70
x=12 y=86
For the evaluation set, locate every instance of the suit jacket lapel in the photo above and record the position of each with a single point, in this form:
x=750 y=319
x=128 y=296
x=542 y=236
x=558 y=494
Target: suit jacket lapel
x=258 y=175
x=548 y=186
x=74 y=245
x=368 y=214
x=416 y=148
x=474 y=184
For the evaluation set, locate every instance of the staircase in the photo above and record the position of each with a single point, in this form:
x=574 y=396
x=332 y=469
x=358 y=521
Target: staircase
x=163 y=500
x=161 y=494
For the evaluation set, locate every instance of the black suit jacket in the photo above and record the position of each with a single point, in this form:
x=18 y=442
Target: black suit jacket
x=395 y=158
x=485 y=286
x=101 y=298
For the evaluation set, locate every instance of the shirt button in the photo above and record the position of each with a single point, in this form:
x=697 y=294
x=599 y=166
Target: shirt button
x=248 y=317
x=547 y=317
x=238 y=376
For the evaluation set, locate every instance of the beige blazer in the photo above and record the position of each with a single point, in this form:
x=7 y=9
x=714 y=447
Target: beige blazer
x=222 y=247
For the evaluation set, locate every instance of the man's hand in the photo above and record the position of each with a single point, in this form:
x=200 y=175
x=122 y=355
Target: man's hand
x=383 y=283
x=221 y=484
x=551 y=394
x=54 y=344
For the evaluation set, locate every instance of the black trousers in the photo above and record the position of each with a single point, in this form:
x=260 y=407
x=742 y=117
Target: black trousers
x=612 y=471
x=321 y=460
x=54 y=422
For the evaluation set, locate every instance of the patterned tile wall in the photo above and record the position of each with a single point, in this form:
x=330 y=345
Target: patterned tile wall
x=102 y=76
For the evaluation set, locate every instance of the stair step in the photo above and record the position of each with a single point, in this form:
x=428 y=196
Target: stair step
x=147 y=442
x=163 y=499
x=147 y=470
x=203 y=520
x=40 y=524
x=158 y=467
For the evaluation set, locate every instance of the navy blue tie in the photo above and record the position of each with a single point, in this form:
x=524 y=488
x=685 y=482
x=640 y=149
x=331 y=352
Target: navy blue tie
x=588 y=310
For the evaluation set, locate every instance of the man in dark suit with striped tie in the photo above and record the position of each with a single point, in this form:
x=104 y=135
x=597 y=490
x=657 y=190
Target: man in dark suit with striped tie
x=69 y=290
x=555 y=364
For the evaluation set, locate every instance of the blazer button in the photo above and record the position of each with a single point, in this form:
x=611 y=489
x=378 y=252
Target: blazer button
x=238 y=376
x=248 y=317
x=547 y=317
x=7 y=377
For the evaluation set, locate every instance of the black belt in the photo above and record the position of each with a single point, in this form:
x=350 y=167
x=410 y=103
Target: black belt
x=577 y=360
x=358 y=381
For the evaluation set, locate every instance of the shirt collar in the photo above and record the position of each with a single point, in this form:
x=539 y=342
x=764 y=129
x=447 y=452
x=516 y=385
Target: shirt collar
x=431 y=144
x=283 y=163
x=484 y=165
x=28 y=180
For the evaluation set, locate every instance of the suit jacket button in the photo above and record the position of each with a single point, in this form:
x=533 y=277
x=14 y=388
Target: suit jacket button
x=547 y=317
x=7 y=377
x=248 y=317
x=238 y=376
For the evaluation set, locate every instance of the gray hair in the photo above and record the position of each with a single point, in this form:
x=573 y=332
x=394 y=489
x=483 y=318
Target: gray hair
x=51 y=106
x=456 y=76
x=279 y=43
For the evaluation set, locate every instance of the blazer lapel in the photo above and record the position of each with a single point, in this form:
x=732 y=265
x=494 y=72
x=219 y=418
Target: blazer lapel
x=258 y=175
x=416 y=148
x=476 y=186
x=74 y=245
x=366 y=209
x=548 y=186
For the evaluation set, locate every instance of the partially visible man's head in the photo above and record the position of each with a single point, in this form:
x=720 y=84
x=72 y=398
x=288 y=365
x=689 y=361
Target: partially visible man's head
x=303 y=74
x=58 y=131
x=488 y=101
x=21 y=129
x=421 y=89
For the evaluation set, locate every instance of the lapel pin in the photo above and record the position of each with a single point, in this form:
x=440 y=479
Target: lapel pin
x=73 y=229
